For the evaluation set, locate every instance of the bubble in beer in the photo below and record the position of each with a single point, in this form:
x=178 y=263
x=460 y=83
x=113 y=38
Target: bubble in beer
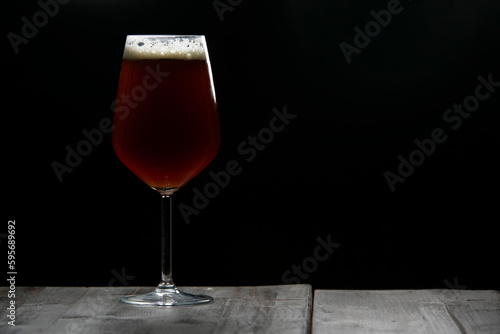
x=175 y=48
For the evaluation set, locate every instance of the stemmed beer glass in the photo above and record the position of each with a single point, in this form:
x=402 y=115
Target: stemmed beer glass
x=166 y=130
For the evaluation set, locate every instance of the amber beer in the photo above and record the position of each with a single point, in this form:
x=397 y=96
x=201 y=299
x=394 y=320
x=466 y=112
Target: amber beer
x=166 y=126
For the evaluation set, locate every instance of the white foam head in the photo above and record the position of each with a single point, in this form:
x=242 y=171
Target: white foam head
x=139 y=47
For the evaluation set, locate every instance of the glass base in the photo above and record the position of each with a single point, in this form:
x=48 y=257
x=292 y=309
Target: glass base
x=166 y=297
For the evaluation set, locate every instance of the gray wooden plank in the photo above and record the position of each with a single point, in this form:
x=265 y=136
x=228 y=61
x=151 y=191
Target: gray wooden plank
x=406 y=311
x=257 y=309
x=37 y=308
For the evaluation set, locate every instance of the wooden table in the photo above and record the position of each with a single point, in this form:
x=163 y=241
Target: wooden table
x=406 y=311
x=261 y=309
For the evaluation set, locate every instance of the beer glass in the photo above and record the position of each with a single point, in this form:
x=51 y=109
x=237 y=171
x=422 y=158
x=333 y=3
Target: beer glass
x=166 y=130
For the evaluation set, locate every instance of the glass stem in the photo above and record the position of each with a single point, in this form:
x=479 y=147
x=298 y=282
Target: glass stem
x=167 y=282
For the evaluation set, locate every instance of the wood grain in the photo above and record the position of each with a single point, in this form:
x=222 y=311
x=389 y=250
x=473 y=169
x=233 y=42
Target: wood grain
x=406 y=311
x=262 y=309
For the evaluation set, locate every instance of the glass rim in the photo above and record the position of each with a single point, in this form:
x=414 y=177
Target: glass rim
x=166 y=36
x=181 y=47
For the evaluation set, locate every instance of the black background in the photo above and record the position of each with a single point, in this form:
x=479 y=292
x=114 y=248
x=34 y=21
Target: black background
x=323 y=175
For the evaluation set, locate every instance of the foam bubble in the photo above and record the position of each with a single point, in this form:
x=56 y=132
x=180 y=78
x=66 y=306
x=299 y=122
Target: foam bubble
x=139 y=47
